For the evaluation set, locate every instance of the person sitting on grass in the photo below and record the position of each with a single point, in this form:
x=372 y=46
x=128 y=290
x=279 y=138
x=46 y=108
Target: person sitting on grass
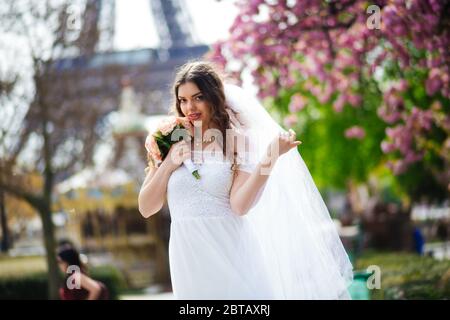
x=77 y=284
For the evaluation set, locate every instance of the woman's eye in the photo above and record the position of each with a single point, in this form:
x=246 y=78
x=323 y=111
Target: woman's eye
x=199 y=97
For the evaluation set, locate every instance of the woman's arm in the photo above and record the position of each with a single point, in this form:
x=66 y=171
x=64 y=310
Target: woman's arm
x=92 y=286
x=153 y=191
x=246 y=187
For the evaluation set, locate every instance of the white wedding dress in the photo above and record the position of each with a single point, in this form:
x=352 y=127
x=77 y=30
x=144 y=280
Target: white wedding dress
x=213 y=252
x=286 y=246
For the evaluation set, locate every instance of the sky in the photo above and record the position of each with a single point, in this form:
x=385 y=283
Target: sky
x=135 y=25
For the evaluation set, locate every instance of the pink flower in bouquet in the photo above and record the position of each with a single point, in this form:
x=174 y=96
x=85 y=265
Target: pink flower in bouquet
x=186 y=124
x=159 y=142
x=169 y=124
x=152 y=147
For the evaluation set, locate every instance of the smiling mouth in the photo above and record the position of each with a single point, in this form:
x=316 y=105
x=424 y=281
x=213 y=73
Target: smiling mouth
x=194 y=116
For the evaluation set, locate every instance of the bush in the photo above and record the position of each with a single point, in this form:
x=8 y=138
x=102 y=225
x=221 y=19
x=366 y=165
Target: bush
x=408 y=276
x=112 y=278
x=34 y=286
x=29 y=287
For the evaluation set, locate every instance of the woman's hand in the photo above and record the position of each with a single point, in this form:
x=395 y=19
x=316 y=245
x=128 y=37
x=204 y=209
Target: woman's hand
x=284 y=142
x=178 y=152
x=153 y=191
x=287 y=141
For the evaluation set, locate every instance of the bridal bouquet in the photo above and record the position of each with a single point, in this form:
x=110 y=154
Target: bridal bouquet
x=158 y=143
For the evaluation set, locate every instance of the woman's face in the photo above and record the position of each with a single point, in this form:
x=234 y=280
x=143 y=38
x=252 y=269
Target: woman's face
x=193 y=104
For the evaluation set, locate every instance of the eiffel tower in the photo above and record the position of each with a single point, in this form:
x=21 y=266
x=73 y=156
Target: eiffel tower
x=150 y=70
x=100 y=77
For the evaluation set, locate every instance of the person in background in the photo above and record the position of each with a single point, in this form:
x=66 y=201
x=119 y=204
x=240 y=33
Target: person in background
x=89 y=289
x=419 y=241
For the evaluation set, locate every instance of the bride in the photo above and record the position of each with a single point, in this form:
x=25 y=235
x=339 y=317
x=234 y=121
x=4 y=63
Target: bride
x=254 y=226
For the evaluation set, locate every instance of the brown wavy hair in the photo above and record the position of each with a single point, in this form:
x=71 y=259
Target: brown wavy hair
x=209 y=80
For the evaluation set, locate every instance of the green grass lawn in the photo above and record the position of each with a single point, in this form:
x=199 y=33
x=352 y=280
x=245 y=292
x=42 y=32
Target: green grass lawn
x=408 y=276
x=21 y=266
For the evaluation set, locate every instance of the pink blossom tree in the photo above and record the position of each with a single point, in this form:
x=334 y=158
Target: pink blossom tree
x=339 y=52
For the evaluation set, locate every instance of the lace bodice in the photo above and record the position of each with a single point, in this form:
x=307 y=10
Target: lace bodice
x=207 y=197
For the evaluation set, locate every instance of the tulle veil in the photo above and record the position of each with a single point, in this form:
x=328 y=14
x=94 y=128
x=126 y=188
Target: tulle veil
x=302 y=251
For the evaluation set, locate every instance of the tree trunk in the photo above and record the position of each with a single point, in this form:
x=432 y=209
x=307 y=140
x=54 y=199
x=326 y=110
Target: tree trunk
x=46 y=208
x=4 y=223
x=50 y=247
